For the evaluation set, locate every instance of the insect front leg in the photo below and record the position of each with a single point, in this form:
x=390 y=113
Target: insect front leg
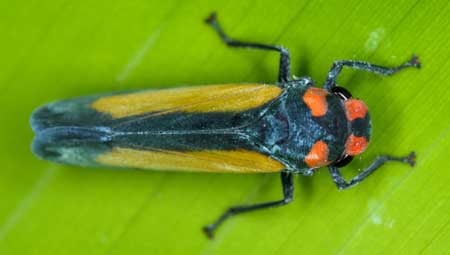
x=288 y=193
x=360 y=65
x=341 y=183
x=285 y=59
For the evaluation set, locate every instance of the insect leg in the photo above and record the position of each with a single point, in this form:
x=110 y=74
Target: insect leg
x=288 y=193
x=341 y=183
x=285 y=59
x=360 y=65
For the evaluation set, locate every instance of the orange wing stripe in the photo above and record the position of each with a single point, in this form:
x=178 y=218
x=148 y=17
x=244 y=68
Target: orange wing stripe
x=237 y=161
x=228 y=97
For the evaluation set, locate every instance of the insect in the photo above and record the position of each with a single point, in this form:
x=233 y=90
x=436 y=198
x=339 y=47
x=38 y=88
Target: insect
x=290 y=127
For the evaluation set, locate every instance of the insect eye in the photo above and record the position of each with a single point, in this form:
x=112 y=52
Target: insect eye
x=343 y=161
x=341 y=92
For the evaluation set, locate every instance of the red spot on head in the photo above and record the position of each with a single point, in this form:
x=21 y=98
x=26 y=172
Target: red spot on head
x=315 y=99
x=355 y=145
x=318 y=155
x=355 y=109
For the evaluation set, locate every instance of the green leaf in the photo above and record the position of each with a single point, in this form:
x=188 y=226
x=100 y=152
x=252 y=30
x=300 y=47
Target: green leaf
x=58 y=49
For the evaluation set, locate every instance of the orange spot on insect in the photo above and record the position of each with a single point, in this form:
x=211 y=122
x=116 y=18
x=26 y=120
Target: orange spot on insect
x=355 y=145
x=355 y=109
x=315 y=99
x=318 y=155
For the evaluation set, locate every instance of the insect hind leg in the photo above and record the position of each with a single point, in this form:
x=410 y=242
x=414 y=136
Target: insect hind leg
x=285 y=59
x=288 y=194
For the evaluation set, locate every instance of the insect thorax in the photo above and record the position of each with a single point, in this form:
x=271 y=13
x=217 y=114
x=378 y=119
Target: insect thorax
x=291 y=132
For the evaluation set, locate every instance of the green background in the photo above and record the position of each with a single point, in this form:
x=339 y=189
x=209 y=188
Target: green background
x=58 y=49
